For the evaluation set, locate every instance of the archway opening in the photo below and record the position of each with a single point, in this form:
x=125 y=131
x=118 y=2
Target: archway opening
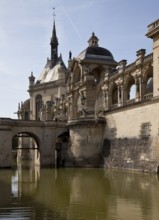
x=61 y=150
x=148 y=84
x=25 y=149
x=131 y=89
x=97 y=74
x=132 y=92
x=114 y=94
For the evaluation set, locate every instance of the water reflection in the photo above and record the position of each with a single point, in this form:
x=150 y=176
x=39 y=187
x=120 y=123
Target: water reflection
x=77 y=194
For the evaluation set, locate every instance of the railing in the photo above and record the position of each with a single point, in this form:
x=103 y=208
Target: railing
x=153 y=25
x=131 y=101
x=114 y=106
x=130 y=66
x=148 y=57
x=148 y=96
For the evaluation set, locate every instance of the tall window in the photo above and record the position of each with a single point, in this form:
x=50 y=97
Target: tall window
x=96 y=73
x=114 y=94
x=38 y=106
x=149 y=85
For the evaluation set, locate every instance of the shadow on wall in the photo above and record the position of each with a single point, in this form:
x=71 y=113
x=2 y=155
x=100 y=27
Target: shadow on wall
x=106 y=148
x=62 y=151
x=129 y=153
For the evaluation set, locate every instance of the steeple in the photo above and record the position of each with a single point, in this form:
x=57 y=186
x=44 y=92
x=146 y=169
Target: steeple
x=54 y=44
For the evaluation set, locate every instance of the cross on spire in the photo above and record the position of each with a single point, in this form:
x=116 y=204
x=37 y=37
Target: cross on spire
x=54 y=12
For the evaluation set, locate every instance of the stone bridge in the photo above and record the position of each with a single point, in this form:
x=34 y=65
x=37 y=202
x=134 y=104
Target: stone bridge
x=43 y=133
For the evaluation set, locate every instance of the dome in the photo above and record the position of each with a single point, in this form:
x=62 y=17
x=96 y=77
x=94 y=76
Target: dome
x=52 y=74
x=97 y=53
x=94 y=52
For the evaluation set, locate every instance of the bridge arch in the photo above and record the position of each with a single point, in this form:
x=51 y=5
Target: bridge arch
x=43 y=134
x=28 y=134
x=25 y=147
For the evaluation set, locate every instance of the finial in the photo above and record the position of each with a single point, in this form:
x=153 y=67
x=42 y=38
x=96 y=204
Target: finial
x=54 y=13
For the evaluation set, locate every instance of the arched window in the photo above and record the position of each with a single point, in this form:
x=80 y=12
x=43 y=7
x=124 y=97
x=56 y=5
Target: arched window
x=38 y=106
x=97 y=74
x=131 y=89
x=114 y=94
x=132 y=92
x=148 y=83
x=77 y=75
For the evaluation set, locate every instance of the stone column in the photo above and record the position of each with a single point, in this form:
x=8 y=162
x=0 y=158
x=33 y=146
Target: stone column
x=140 y=56
x=70 y=108
x=122 y=66
x=120 y=92
x=153 y=33
x=138 y=88
x=119 y=95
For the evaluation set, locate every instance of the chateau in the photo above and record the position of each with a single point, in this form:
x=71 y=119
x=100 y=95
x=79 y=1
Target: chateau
x=110 y=109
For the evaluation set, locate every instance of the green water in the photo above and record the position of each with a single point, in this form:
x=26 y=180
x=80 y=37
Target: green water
x=78 y=194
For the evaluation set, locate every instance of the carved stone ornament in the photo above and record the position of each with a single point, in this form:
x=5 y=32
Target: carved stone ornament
x=119 y=81
x=86 y=69
x=104 y=87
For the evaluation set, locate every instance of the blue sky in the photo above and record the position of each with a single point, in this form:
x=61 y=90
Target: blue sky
x=26 y=27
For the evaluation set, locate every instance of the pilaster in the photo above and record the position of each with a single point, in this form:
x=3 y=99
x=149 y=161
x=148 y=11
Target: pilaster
x=153 y=33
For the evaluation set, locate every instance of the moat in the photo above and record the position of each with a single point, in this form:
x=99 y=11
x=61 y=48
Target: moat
x=77 y=194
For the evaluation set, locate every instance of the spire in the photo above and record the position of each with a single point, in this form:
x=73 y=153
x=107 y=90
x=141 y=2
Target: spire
x=54 y=43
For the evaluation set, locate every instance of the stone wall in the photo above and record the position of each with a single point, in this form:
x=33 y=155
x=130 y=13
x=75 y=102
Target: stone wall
x=131 y=138
x=43 y=133
x=85 y=145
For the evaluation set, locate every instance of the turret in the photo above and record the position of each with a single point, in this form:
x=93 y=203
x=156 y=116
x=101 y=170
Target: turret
x=31 y=79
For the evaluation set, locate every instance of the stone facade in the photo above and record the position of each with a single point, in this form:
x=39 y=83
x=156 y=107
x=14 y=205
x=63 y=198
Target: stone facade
x=43 y=134
x=110 y=108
